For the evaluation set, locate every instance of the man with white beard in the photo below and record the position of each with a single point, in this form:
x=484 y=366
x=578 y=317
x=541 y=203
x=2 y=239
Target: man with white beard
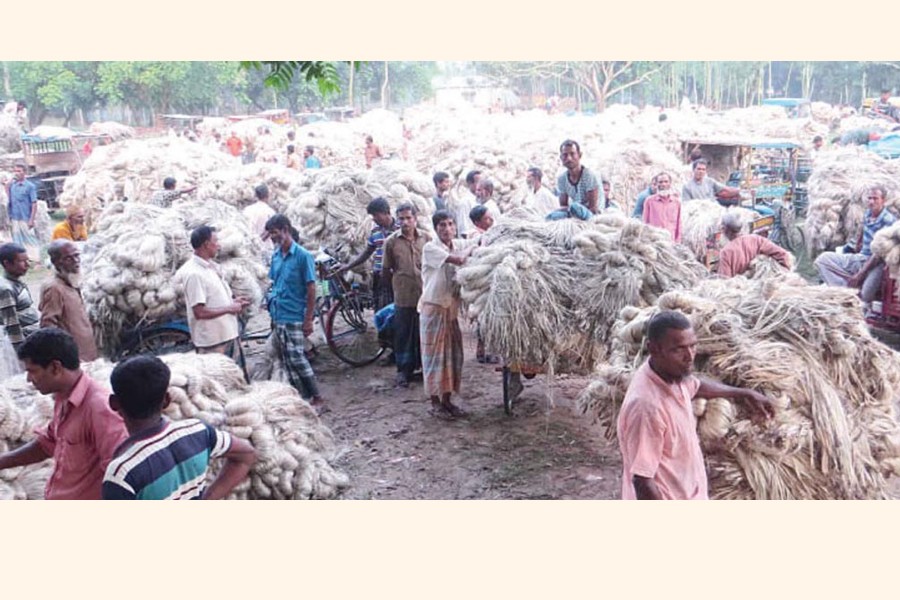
x=61 y=303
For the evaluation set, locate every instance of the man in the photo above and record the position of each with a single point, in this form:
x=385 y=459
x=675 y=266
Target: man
x=260 y=211
x=442 y=185
x=539 y=198
x=72 y=228
x=310 y=161
x=482 y=219
x=817 y=143
x=663 y=209
x=739 y=252
x=657 y=431
x=860 y=269
x=467 y=201
x=701 y=186
x=22 y=207
x=164 y=460
x=293 y=161
x=642 y=197
x=292 y=304
x=372 y=151
x=608 y=202
x=83 y=433
x=211 y=308
x=577 y=185
x=61 y=303
x=234 y=145
x=164 y=197
x=484 y=195
x=403 y=264
x=442 y=348
x=385 y=225
x=18 y=315
x=885 y=109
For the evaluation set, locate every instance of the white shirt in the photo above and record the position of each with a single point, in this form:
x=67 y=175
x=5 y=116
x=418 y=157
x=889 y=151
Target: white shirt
x=204 y=285
x=492 y=208
x=543 y=201
x=257 y=214
x=438 y=276
x=467 y=202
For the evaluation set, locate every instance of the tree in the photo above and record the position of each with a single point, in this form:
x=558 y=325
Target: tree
x=66 y=87
x=280 y=74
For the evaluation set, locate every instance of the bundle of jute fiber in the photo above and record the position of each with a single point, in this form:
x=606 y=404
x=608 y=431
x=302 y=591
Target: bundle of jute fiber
x=837 y=190
x=117 y=131
x=135 y=169
x=131 y=259
x=834 y=434
x=236 y=186
x=10 y=133
x=886 y=244
x=701 y=220
x=333 y=212
x=295 y=451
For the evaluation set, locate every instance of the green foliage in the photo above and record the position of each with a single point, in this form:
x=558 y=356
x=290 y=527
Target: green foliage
x=280 y=74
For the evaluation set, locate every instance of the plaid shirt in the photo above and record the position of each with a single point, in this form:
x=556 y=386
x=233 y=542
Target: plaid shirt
x=18 y=314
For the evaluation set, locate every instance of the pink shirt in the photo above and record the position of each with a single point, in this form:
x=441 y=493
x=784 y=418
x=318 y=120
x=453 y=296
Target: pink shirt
x=665 y=213
x=81 y=437
x=658 y=437
x=737 y=254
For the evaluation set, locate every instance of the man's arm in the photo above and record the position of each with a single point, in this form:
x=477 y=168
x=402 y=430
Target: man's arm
x=309 y=279
x=30 y=453
x=9 y=318
x=591 y=198
x=645 y=488
x=859 y=277
x=50 y=307
x=239 y=457
x=769 y=248
x=758 y=404
x=363 y=257
x=201 y=312
x=33 y=212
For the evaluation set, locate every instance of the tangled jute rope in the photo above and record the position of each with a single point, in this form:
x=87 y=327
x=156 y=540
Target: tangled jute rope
x=835 y=433
x=295 y=451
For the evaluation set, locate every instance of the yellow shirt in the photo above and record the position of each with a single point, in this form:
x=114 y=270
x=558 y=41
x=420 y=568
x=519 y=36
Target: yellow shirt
x=63 y=231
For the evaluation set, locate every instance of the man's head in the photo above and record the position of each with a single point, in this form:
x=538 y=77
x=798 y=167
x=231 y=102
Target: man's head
x=441 y=182
x=570 y=154
x=406 y=216
x=672 y=344
x=262 y=192
x=472 y=178
x=139 y=387
x=66 y=259
x=484 y=189
x=290 y=148
x=533 y=178
x=481 y=216
x=663 y=184
x=75 y=216
x=280 y=231
x=885 y=95
x=818 y=142
x=606 y=187
x=445 y=225
x=380 y=211
x=653 y=184
x=169 y=183
x=291 y=135
x=19 y=172
x=699 y=168
x=308 y=151
x=696 y=154
x=204 y=242
x=875 y=199
x=369 y=140
x=50 y=357
x=14 y=260
x=732 y=225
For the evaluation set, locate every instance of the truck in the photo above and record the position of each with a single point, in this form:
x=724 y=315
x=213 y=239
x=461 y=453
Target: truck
x=50 y=160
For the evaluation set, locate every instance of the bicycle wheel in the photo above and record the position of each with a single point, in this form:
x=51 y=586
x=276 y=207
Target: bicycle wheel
x=350 y=330
x=796 y=240
x=163 y=341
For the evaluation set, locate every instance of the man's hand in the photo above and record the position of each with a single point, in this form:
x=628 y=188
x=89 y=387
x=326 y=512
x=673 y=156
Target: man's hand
x=30 y=223
x=307 y=327
x=759 y=404
x=855 y=280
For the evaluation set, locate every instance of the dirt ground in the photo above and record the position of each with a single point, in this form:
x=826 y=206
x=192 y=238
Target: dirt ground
x=393 y=448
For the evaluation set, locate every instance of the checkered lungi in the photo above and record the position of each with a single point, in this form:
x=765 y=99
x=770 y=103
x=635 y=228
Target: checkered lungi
x=442 y=349
x=289 y=341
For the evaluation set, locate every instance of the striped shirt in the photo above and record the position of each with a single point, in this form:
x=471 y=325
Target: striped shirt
x=376 y=243
x=18 y=314
x=166 y=462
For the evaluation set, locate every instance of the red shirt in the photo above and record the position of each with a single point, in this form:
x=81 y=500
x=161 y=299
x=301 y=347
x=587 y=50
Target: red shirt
x=664 y=212
x=81 y=437
x=235 y=145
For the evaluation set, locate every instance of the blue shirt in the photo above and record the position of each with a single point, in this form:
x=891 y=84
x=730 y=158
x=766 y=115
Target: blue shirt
x=289 y=275
x=22 y=194
x=871 y=226
x=639 y=203
x=313 y=163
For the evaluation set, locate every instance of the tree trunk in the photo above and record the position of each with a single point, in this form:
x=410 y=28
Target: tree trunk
x=350 y=84
x=385 y=89
x=7 y=90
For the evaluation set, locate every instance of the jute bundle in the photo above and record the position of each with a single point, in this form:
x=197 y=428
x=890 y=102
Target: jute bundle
x=135 y=169
x=834 y=434
x=886 y=244
x=10 y=133
x=702 y=219
x=545 y=293
x=837 y=189
x=116 y=131
x=295 y=451
x=130 y=261
x=235 y=186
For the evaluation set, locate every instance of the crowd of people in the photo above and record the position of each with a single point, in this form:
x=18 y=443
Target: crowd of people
x=120 y=446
